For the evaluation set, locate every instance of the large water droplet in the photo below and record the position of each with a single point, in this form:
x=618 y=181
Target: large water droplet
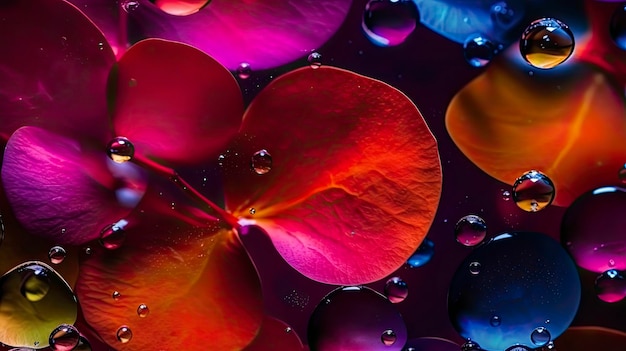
x=315 y=60
x=180 y=7
x=610 y=286
x=35 y=284
x=527 y=278
x=502 y=15
x=65 y=337
x=470 y=230
x=244 y=70
x=388 y=337
x=422 y=255
x=617 y=28
x=143 y=310
x=57 y=254
x=478 y=50
x=546 y=43
x=533 y=191
x=261 y=162
x=124 y=334
x=540 y=336
x=120 y=149
x=112 y=236
x=389 y=22
x=396 y=289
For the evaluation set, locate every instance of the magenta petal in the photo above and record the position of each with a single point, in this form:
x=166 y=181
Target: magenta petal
x=62 y=192
x=264 y=34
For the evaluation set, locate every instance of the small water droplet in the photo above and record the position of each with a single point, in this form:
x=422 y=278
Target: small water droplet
x=389 y=22
x=116 y=295
x=470 y=230
x=495 y=321
x=261 y=162
x=87 y=251
x=422 y=255
x=57 y=254
x=610 y=286
x=474 y=267
x=130 y=6
x=244 y=70
x=478 y=50
x=180 y=7
x=143 y=310
x=540 y=336
x=35 y=283
x=388 y=337
x=120 y=149
x=533 y=191
x=546 y=43
x=617 y=27
x=611 y=262
x=65 y=337
x=100 y=46
x=124 y=334
x=252 y=210
x=112 y=236
x=550 y=345
x=502 y=14
x=315 y=60
x=396 y=289
x=506 y=195
x=288 y=330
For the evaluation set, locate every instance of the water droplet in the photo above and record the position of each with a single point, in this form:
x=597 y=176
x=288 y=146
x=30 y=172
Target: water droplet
x=244 y=70
x=120 y=149
x=617 y=28
x=315 y=60
x=130 y=6
x=506 y=195
x=35 y=283
x=143 y=310
x=100 y=46
x=389 y=22
x=540 y=336
x=518 y=348
x=261 y=162
x=470 y=230
x=57 y=254
x=288 y=330
x=474 y=268
x=495 y=321
x=87 y=251
x=116 y=295
x=112 y=236
x=502 y=14
x=478 y=50
x=65 y=337
x=422 y=255
x=610 y=286
x=396 y=290
x=550 y=345
x=533 y=191
x=180 y=7
x=388 y=337
x=252 y=210
x=124 y=334
x=469 y=345
x=546 y=43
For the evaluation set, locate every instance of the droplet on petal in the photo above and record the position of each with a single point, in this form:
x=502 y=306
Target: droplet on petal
x=546 y=43
x=315 y=60
x=533 y=191
x=479 y=50
x=389 y=22
x=116 y=295
x=65 y=337
x=124 y=334
x=120 y=149
x=180 y=7
x=57 y=254
x=388 y=337
x=143 y=310
x=261 y=162
x=540 y=336
x=422 y=255
x=617 y=28
x=244 y=70
x=470 y=230
x=610 y=286
x=396 y=290
x=112 y=236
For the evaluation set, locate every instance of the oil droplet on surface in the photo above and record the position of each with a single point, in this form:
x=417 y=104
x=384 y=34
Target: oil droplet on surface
x=120 y=149
x=389 y=22
x=112 y=236
x=533 y=191
x=478 y=50
x=388 y=337
x=65 y=337
x=610 y=286
x=244 y=71
x=35 y=283
x=396 y=289
x=261 y=162
x=617 y=27
x=540 y=336
x=116 y=295
x=470 y=230
x=130 y=5
x=495 y=321
x=422 y=255
x=143 y=310
x=57 y=254
x=124 y=334
x=315 y=60
x=474 y=268
x=502 y=14
x=180 y=7
x=546 y=43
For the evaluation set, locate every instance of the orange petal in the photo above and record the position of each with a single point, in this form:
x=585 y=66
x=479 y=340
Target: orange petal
x=275 y=335
x=591 y=338
x=355 y=174
x=568 y=125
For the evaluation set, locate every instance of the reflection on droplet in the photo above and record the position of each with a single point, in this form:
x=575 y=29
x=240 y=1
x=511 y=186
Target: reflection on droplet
x=470 y=230
x=120 y=149
x=57 y=254
x=617 y=28
x=495 y=321
x=396 y=289
x=244 y=70
x=65 y=337
x=389 y=22
x=261 y=162
x=474 y=268
x=422 y=255
x=502 y=14
x=130 y=5
x=116 y=295
x=315 y=60
x=180 y=7
x=546 y=43
x=540 y=336
x=478 y=50
x=388 y=337
x=124 y=334
x=35 y=283
x=610 y=286
x=143 y=310
x=533 y=191
x=112 y=236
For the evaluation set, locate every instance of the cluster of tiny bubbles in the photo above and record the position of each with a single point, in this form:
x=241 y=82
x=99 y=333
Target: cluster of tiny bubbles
x=396 y=289
x=113 y=235
x=478 y=50
x=124 y=334
x=120 y=149
x=540 y=336
x=261 y=162
x=130 y=5
x=621 y=174
x=525 y=279
x=617 y=28
x=244 y=71
x=591 y=229
x=610 y=286
x=502 y=14
x=65 y=337
x=470 y=345
x=470 y=230
x=315 y=60
x=180 y=7
x=533 y=191
x=422 y=255
x=116 y=295
x=57 y=254
x=389 y=22
x=143 y=310
x=546 y=43
x=339 y=322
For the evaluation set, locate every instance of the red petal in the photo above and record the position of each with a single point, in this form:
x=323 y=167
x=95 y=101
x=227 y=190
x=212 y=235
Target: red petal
x=61 y=191
x=275 y=335
x=591 y=338
x=355 y=174
x=174 y=102
x=57 y=69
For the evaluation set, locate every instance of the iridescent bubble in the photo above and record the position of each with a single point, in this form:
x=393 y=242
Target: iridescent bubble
x=261 y=162
x=540 y=336
x=388 y=337
x=478 y=50
x=341 y=316
x=474 y=268
x=180 y=7
x=120 y=149
x=423 y=254
x=65 y=337
x=533 y=191
x=315 y=60
x=470 y=230
x=57 y=254
x=610 y=286
x=112 y=236
x=244 y=70
x=525 y=279
x=396 y=289
x=617 y=27
x=143 y=310
x=124 y=334
x=502 y=15
x=546 y=43
x=592 y=229
x=389 y=22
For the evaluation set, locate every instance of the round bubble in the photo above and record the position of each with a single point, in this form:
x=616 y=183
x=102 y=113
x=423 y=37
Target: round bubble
x=478 y=50
x=533 y=191
x=546 y=43
x=470 y=230
x=610 y=286
x=592 y=229
x=422 y=255
x=431 y=344
x=617 y=27
x=356 y=318
x=525 y=279
x=389 y=22
x=396 y=289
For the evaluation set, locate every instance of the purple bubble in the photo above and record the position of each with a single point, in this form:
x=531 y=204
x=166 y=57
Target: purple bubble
x=389 y=22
